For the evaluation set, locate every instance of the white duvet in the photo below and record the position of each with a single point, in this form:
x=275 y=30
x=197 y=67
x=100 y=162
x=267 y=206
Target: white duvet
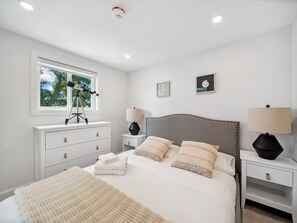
x=178 y=195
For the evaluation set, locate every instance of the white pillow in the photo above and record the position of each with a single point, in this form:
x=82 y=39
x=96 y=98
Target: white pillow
x=172 y=151
x=225 y=163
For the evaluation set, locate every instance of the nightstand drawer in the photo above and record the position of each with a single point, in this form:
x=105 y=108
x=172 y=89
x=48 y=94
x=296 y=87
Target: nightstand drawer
x=270 y=174
x=130 y=142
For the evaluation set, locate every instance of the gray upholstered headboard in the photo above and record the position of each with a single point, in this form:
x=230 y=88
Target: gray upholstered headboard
x=179 y=127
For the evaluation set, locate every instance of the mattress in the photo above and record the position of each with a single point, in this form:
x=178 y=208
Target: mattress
x=178 y=195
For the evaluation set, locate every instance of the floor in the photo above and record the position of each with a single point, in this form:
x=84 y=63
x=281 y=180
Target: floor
x=254 y=212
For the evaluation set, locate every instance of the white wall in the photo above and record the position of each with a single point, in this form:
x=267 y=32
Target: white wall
x=249 y=73
x=294 y=86
x=16 y=131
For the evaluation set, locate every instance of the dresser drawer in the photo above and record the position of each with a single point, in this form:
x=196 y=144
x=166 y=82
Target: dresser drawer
x=70 y=137
x=67 y=153
x=130 y=142
x=270 y=174
x=81 y=162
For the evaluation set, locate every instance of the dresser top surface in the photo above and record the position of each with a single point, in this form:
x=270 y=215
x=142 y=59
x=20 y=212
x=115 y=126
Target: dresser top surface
x=72 y=126
x=281 y=161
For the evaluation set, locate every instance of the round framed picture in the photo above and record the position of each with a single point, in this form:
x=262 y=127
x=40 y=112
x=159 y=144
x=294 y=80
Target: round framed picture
x=205 y=84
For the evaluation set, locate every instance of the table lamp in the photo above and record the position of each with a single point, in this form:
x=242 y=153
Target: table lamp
x=269 y=120
x=134 y=115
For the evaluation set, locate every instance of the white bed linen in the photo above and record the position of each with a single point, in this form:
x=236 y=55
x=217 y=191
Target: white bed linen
x=178 y=195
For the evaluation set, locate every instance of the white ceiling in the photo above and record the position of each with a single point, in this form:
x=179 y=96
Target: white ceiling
x=153 y=31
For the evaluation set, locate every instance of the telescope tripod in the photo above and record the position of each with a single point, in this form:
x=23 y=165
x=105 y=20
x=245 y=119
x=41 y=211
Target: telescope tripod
x=77 y=114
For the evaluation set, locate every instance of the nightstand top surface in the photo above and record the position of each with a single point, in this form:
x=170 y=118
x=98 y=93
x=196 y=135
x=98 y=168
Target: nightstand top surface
x=281 y=161
x=133 y=136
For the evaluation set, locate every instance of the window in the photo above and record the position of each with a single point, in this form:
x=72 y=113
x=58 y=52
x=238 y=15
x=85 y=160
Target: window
x=53 y=87
x=51 y=95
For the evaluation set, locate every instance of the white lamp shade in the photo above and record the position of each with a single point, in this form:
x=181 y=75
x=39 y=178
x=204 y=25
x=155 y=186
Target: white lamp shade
x=133 y=115
x=270 y=120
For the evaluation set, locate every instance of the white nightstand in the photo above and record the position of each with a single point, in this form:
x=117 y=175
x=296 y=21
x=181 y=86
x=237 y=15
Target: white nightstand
x=129 y=141
x=269 y=182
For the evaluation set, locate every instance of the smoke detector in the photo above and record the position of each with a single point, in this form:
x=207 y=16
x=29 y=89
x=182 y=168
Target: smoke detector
x=118 y=12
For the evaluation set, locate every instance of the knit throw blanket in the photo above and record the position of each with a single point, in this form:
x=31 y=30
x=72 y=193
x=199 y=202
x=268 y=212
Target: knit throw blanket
x=77 y=196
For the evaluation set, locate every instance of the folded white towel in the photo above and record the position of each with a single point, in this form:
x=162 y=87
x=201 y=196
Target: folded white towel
x=110 y=172
x=121 y=164
x=108 y=158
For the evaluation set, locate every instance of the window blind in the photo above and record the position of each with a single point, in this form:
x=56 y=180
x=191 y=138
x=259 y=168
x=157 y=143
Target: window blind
x=65 y=67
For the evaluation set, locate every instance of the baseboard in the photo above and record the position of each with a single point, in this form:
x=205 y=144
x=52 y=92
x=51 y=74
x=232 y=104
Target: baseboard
x=7 y=193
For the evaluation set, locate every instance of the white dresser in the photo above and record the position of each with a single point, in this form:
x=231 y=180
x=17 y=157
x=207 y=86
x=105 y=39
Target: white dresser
x=58 y=147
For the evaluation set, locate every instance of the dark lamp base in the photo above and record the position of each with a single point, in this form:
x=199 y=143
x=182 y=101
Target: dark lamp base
x=134 y=128
x=267 y=147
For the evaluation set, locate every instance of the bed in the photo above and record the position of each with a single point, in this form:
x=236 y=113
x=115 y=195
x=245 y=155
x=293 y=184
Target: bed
x=175 y=194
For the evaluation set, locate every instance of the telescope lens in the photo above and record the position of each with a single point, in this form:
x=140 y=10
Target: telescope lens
x=70 y=84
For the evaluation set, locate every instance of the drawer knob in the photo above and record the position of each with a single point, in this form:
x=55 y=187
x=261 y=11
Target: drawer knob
x=65 y=155
x=97 y=147
x=65 y=139
x=97 y=134
x=268 y=177
x=129 y=143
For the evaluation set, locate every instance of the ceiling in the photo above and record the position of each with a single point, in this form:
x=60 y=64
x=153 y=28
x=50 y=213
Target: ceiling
x=153 y=31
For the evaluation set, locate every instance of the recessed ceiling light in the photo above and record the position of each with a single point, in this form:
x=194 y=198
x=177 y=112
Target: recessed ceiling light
x=26 y=4
x=128 y=56
x=217 y=19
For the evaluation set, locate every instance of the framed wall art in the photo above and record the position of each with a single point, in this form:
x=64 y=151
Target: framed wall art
x=163 y=89
x=205 y=84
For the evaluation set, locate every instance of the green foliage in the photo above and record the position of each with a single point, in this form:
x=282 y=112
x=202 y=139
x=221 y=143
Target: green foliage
x=86 y=96
x=58 y=95
x=54 y=93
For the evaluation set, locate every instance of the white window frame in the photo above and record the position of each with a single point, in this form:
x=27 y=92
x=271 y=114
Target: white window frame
x=36 y=57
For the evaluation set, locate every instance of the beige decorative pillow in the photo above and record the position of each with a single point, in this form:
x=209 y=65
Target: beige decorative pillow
x=197 y=157
x=153 y=148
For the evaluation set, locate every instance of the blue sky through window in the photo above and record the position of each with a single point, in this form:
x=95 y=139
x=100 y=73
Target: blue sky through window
x=49 y=77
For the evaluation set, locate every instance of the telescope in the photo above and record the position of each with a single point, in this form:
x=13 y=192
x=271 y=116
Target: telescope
x=81 y=87
x=79 y=102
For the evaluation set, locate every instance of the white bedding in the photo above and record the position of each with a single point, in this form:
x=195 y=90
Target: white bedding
x=178 y=195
